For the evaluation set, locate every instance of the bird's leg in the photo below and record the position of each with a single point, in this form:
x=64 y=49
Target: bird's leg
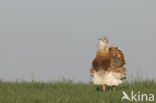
x=114 y=88
x=103 y=87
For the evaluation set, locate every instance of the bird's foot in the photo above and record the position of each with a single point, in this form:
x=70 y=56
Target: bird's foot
x=104 y=88
x=114 y=88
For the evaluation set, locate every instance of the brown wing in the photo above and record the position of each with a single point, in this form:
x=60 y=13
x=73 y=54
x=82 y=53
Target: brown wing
x=117 y=57
x=96 y=64
x=121 y=70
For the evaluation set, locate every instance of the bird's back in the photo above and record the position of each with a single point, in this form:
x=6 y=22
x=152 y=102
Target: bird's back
x=117 y=57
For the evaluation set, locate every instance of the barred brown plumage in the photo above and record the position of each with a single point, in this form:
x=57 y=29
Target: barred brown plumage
x=117 y=57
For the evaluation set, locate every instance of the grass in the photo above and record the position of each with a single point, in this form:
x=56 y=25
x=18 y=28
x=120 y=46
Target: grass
x=68 y=91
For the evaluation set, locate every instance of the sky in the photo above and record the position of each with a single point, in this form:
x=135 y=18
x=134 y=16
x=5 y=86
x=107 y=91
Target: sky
x=46 y=40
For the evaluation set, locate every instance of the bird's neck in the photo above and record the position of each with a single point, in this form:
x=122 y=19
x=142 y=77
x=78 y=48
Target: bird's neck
x=102 y=51
x=102 y=46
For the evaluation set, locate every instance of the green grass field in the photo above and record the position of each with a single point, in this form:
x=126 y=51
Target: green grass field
x=70 y=92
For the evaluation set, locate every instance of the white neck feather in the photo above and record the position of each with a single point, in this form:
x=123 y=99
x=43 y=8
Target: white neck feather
x=102 y=45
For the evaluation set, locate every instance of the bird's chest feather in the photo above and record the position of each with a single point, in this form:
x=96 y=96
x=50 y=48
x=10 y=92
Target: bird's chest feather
x=102 y=55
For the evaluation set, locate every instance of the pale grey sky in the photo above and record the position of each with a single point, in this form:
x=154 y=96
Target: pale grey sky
x=58 y=38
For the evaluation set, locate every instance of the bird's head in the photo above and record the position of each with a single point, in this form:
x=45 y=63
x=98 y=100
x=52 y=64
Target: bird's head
x=102 y=43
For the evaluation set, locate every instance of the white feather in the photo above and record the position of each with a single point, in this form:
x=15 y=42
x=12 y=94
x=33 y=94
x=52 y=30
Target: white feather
x=107 y=78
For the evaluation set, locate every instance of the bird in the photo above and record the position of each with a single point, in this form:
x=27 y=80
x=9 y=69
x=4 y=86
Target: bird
x=108 y=66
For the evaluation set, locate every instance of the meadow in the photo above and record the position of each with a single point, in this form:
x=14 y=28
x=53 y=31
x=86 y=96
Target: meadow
x=67 y=91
